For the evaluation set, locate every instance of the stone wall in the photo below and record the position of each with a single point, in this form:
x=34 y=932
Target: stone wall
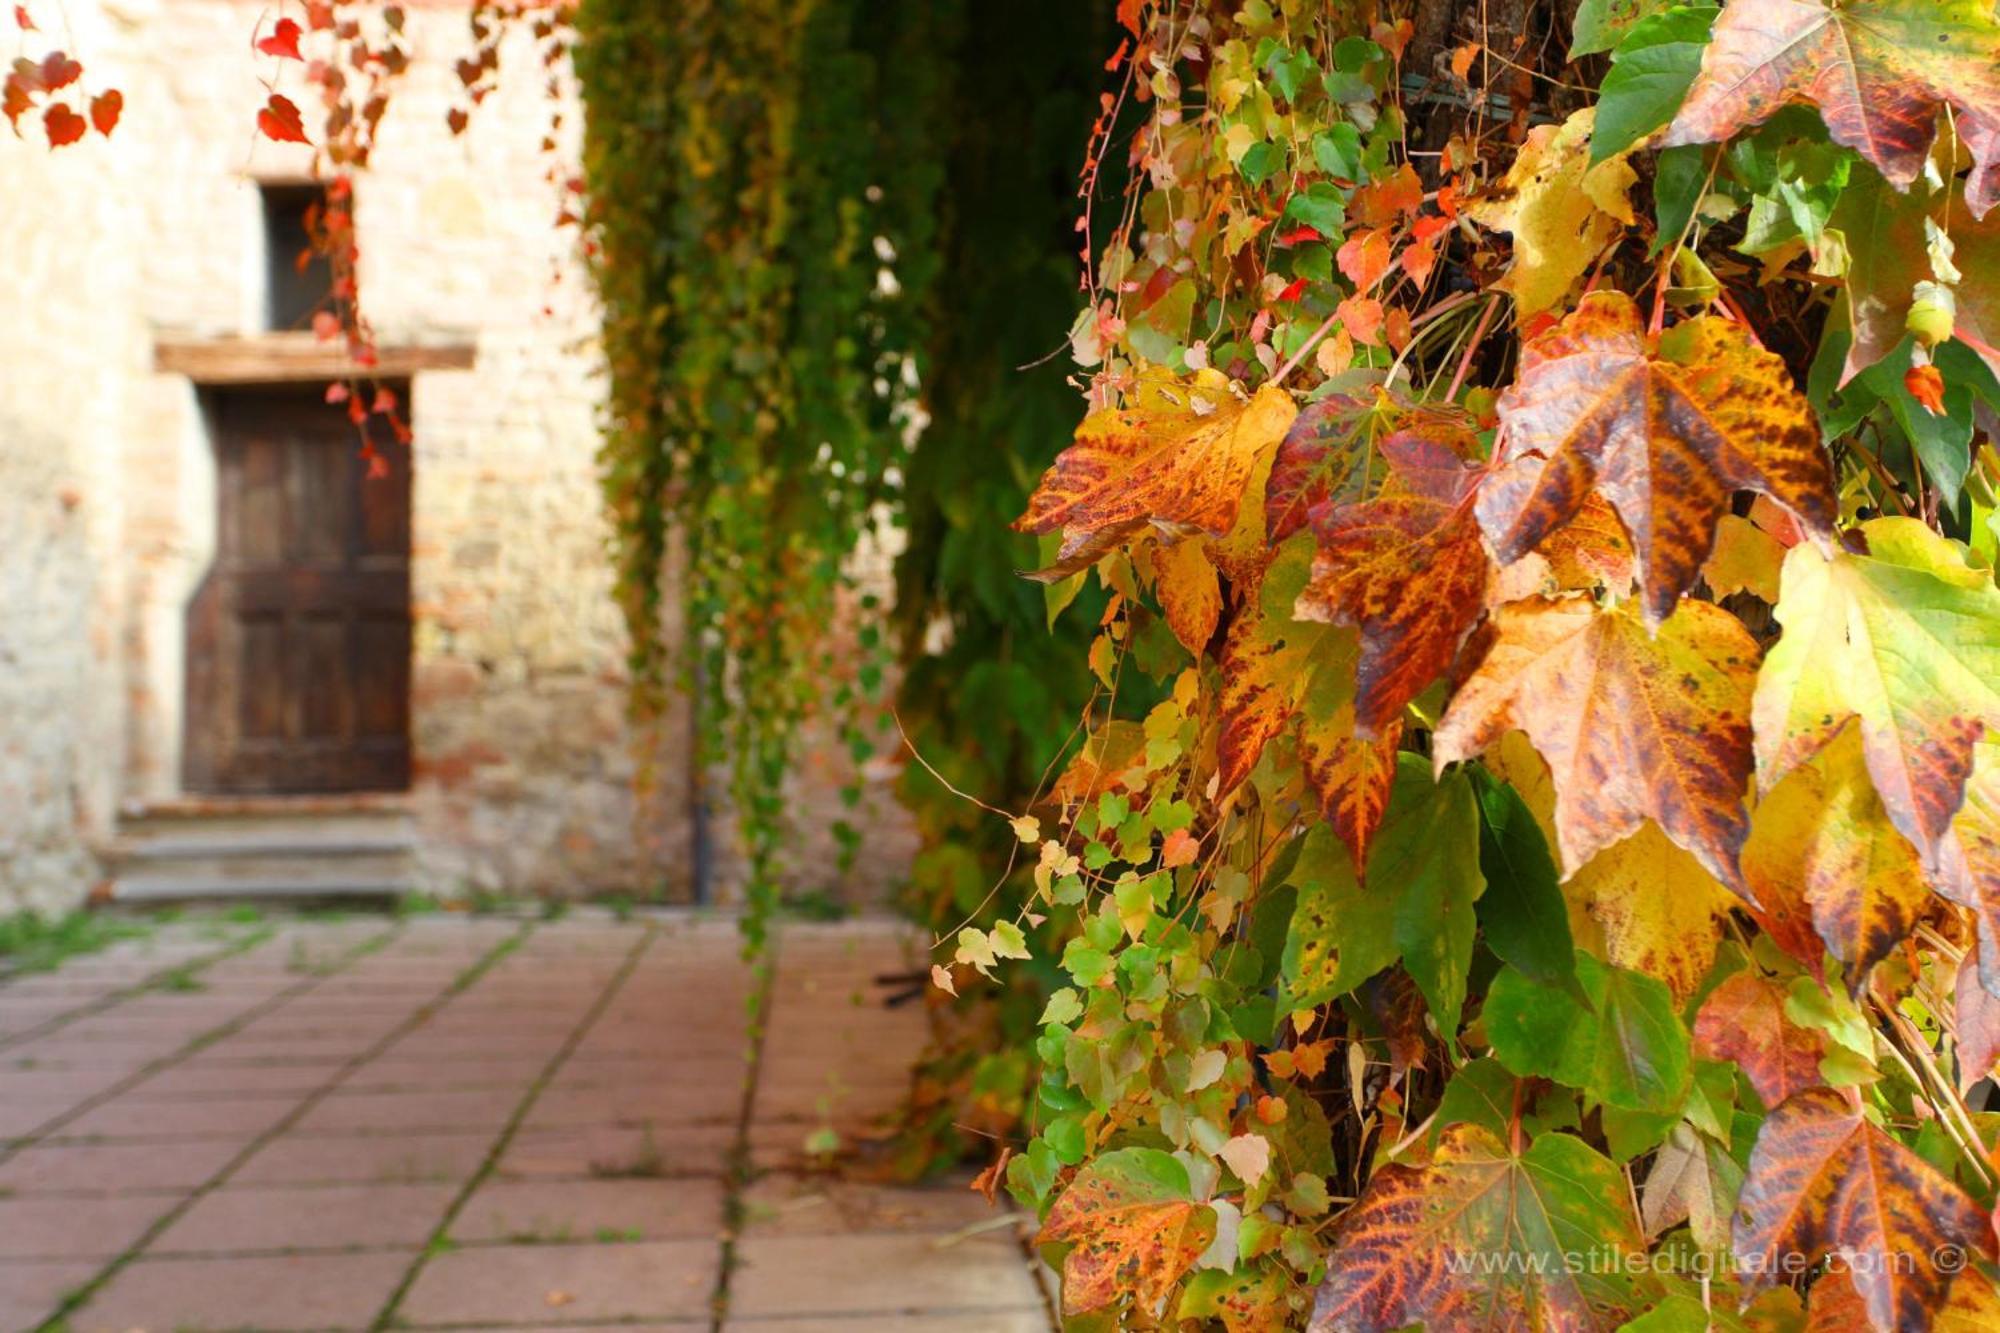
x=525 y=763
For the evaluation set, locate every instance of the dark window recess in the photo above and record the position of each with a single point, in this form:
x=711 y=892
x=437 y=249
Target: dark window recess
x=298 y=281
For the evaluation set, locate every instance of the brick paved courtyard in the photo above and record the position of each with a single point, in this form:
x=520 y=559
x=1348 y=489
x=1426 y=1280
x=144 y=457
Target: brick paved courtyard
x=472 y=1123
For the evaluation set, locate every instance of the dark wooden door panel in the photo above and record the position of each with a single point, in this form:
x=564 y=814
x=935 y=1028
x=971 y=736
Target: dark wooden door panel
x=299 y=638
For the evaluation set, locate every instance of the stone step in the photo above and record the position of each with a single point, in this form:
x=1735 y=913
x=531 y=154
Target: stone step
x=262 y=849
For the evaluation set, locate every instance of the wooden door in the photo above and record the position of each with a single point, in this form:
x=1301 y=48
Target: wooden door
x=298 y=645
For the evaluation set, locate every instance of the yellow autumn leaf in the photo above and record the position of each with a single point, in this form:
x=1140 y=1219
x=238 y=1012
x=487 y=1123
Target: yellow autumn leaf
x=1560 y=210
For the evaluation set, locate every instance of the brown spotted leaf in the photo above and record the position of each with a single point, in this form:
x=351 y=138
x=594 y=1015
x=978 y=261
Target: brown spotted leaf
x=1666 y=430
x=1329 y=453
x=1632 y=725
x=1879 y=71
x=1476 y=1240
x=1743 y=1021
x=1135 y=1229
x=1181 y=460
x=1407 y=569
x=1907 y=639
x=1693 y=1180
x=1189 y=592
x=1280 y=673
x=1825 y=1180
x=1822 y=848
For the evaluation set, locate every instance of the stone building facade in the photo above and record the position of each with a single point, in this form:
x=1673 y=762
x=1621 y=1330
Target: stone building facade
x=135 y=286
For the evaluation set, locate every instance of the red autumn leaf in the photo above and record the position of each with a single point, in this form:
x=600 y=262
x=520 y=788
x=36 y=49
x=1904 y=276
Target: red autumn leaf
x=1407 y=569
x=1300 y=236
x=326 y=326
x=1878 y=70
x=1664 y=429
x=1926 y=385
x=21 y=19
x=1633 y=723
x=1826 y=1180
x=63 y=125
x=1743 y=1020
x=283 y=41
x=319 y=15
x=1293 y=290
x=104 y=110
x=279 y=120
x=385 y=402
x=59 y=71
x=336 y=392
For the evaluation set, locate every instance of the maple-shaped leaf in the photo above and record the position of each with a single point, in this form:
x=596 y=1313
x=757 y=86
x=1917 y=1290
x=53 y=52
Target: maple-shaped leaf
x=1184 y=466
x=1476 y=1239
x=1878 y=70
x=1560 y=210
x=1971 y=1306
x=1822 y=848
x=1905 y=638
x=1743 y=1020
x=1407 y=569
x=1885 y=264
x=1278 y=672
x=1632 y=725
x=1824 y=1179
x=1665 y=429
x=1135 y=1228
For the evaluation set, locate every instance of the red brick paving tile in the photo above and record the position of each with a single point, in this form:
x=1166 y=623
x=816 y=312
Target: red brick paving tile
x=358 y=1159
x=311 y=1291
x=30 y=1292
x=115 y=1167
x=876 y=1274
x=45 y=1227
x=689 y=1207
x=516 y=1283
x=469 y=1110
x=307 y=1218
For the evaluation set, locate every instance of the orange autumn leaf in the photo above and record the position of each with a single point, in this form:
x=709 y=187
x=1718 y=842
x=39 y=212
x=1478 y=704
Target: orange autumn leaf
x=1665 y=429
x=1407 y=569
x=1632 y=725
x=1189 y=593
x=1279 y=673
x=1743 y=1021
x=1879 y=71
x=105 y=109
x=1182 y=465
x=1824 y=1179
x=1134 y=1228
x=1822 y=849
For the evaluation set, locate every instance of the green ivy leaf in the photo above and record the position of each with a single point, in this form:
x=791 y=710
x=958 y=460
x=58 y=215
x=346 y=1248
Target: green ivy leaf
x=1651 y=71
x=1523 y=913
x=1599 y=24
x=1678 y=180
x=1627 y=1048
